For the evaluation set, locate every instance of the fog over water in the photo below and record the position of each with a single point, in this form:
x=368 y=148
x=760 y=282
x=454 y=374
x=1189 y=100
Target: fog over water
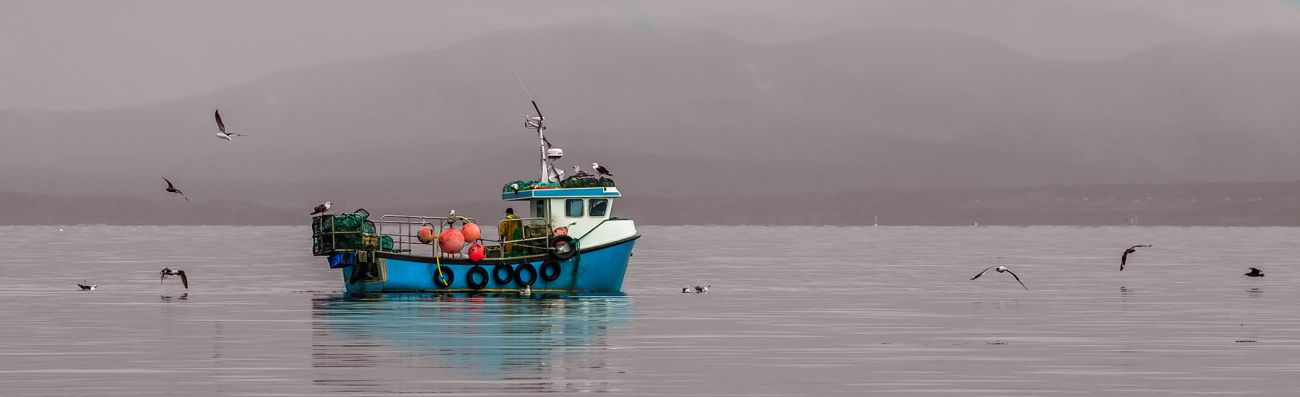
x=92 y=55
x=414 y=107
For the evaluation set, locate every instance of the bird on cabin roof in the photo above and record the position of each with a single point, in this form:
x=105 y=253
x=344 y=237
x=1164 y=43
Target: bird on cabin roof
x=578 y=172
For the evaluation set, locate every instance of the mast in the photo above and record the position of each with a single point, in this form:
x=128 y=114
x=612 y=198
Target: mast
x=536 y=123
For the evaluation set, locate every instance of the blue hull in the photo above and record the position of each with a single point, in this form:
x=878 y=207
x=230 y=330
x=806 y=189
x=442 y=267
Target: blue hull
x=599 y=269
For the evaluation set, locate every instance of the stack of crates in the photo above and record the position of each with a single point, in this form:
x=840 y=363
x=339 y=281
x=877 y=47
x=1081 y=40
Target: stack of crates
x=346 y=232
x=322 y=240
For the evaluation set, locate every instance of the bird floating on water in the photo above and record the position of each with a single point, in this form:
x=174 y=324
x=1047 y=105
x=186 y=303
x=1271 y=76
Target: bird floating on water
x=172 y=189
x=162 y=275
x=87 y=286
x=687 y=290
x=1254 y=272
x=221 y=129
x=1001 y=269
x=1123 y=259
x=600 y=169
x=321 y=208
x=527 y=290
x=702 y=289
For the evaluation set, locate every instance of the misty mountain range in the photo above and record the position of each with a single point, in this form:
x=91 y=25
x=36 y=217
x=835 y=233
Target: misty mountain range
x=682 y=115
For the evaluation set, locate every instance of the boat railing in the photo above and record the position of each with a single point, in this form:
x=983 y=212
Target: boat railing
x=519 y=237
x=405 y=229
x=531 y=237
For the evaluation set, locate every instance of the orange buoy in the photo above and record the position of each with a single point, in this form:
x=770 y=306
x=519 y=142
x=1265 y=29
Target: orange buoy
x=426 y=235
x=470 y=231
x=561 y=231
x=451 y=240
x=476 y=252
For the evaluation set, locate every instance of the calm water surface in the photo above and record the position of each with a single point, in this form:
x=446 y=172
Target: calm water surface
x=793 y=311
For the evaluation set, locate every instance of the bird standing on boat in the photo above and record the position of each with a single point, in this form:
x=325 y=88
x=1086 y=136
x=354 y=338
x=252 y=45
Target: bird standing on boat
x=87 y=286
x=1123 y=259
x=162 y=275
x=172 y=189
x=320 y=209
x=600 y=169
x=578 y=172
x=1001 y=269
x=1254 y=272
x=221 y=129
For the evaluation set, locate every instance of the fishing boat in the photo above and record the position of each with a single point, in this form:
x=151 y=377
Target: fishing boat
x=567 y=242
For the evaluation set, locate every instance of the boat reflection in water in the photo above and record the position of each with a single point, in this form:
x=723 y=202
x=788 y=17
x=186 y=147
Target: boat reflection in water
x=425 y=342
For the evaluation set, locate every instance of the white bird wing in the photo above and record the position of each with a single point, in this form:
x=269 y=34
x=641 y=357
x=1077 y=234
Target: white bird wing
x=1013 y=274
x=982 y=272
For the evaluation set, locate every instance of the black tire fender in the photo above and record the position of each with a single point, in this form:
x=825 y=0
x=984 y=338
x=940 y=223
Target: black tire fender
x=482 y=277
x=447 y=278
x=503 y=274
x=550 y=270
x=531 y=274
x=562 y=247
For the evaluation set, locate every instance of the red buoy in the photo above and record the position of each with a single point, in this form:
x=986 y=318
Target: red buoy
x=470 y=231
x=451 y=240
x=426 y=235
x=476 y=252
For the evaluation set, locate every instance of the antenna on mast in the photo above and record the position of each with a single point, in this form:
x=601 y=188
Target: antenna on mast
x=548 y=153
x=530 y=95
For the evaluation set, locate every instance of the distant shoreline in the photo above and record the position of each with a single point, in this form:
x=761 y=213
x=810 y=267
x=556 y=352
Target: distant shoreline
x=1189 y=204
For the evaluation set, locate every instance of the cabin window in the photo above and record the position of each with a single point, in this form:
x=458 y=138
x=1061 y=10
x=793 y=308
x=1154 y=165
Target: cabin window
x=573 y=208
x=598 y=207
x=539 y=208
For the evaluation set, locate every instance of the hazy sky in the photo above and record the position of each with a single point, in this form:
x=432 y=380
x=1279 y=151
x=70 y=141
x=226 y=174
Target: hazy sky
x=96 y=55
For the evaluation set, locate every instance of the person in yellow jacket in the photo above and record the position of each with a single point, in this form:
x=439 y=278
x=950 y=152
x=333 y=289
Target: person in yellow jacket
x=510 y=229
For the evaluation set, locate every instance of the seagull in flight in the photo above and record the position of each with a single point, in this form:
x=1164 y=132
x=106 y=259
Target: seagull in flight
x=702 y=289
x=320 y=209
x=1001 y=269
x=1254 y=272
x=1123 y=259
x=600 y=169
x=172 y=189
x=221 y=129
x=87 y=286
x=162 y=275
